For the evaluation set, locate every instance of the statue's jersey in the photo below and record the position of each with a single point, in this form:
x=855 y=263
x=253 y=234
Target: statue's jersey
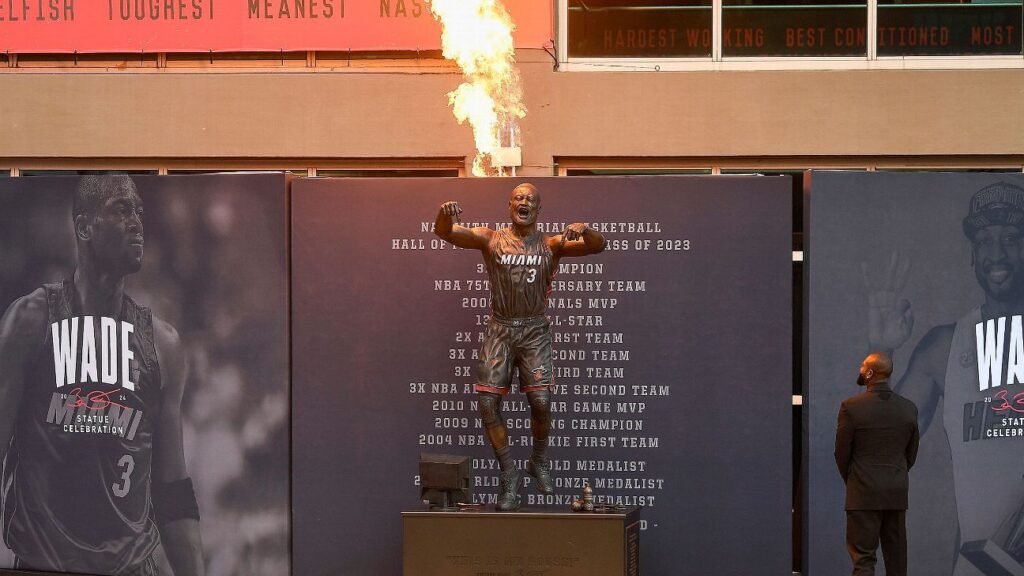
x=985 y=440
x=76 y=480
x=520 y=272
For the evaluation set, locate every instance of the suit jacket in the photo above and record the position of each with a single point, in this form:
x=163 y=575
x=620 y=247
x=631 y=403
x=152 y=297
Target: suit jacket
x=876 y=444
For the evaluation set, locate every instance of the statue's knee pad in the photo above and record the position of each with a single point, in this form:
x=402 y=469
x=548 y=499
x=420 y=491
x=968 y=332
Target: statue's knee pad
x=540 y=403
x=490 y=409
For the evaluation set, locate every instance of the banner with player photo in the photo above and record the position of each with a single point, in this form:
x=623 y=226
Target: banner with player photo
x=671 y=361
x=145 y=342
x=929 y=266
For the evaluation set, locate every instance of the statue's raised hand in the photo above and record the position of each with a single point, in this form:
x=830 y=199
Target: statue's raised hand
x=451 y=209
x=574 y=231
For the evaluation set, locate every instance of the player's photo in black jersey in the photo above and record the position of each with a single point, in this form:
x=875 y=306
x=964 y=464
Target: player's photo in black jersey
x=144 y=375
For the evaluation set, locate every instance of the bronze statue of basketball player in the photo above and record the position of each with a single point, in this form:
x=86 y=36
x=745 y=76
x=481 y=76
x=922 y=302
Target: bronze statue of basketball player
x=520 y=264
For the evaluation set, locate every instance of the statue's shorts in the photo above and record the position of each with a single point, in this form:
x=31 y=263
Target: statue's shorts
x=523 y=343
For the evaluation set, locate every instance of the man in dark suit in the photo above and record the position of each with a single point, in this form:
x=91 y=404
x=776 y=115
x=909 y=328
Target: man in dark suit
x=876 y=444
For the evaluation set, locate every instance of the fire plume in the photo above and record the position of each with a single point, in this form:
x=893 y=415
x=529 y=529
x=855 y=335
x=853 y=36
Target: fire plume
x=477 y=35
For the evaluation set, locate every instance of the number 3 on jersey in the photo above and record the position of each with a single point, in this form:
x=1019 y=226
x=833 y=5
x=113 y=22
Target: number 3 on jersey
x=121 y=489
x=533 y=276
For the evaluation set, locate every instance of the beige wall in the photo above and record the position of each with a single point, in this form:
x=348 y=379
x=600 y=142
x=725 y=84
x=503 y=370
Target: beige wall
x=384 y=113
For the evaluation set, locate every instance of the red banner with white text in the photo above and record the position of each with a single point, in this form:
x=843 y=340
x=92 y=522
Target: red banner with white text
x=240 y=25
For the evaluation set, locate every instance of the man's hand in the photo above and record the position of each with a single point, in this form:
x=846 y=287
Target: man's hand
x=890 y=320
x=446 y=229
x=568 y=243
x=574 y=231
x=451 y=209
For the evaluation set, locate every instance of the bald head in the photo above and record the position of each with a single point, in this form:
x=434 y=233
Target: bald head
x=877 y=367
x=526 y=187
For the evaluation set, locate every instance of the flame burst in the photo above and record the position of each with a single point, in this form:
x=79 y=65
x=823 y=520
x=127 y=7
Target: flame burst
x=477 y=35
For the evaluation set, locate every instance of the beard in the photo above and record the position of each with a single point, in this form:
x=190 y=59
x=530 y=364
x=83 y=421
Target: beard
x=861 y=381
x=1007 y=291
